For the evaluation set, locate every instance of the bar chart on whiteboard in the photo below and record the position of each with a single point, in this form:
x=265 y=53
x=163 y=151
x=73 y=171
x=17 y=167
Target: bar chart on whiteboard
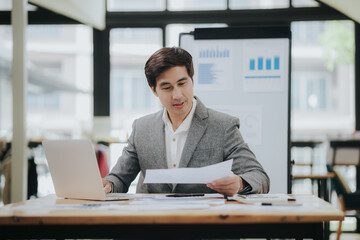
x=263 y=66
x=213 y=69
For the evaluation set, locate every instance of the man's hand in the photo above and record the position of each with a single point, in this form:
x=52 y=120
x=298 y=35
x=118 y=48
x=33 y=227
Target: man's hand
x=107 y=186
x=227 y=186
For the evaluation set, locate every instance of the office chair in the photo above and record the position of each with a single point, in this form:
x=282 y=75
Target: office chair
x=348 y=200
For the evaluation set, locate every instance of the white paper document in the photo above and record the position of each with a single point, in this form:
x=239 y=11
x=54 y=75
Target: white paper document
x=264 y=198
x=200 y=175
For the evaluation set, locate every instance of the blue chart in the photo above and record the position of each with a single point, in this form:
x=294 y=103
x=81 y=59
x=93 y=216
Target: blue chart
x=261 y=65
x=264 y=67
x=206 y=74
x=214 y=53
x=214 y=66
x=268 y=63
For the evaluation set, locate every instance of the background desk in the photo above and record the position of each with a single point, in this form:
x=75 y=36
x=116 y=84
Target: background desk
x=322 y=183
x=312 y=144
x=208 y=223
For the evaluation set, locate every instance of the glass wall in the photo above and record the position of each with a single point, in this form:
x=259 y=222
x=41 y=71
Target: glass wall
x=190 y=5
x=138 y=5
x=258 y=4
x=59 y=90
x=323 y=77
x=59 y=80
x=130 y=94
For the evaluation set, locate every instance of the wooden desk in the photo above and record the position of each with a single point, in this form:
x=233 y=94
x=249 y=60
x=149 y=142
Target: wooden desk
x=293 y=222
x=322 y=183
x=306 y=143
x=324 y=190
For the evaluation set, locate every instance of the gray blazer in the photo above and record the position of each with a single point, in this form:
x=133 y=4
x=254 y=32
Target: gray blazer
x=213 y=137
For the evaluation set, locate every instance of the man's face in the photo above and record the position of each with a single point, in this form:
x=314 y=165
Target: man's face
x=174 y=88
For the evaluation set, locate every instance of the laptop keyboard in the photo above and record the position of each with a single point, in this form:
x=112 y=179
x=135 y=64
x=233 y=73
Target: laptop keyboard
x=119 y=196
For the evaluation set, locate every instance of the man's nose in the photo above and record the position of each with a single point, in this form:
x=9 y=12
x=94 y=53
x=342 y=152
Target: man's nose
x=177 y=93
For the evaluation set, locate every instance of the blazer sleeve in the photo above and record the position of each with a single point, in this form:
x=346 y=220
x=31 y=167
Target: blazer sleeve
x=245 y=164
x=126 y=168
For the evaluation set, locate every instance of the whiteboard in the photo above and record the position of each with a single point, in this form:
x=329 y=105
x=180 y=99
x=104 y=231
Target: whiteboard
x=249 y=78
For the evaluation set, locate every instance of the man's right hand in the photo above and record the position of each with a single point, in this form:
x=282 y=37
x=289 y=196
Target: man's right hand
x=107 y=186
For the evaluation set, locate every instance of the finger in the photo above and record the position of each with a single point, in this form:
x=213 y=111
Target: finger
x=104 y=182
x=222 y=189
x=225 y=181
x=107 y=188
x=224 y=184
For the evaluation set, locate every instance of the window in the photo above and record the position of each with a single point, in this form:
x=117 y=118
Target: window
x=258 y=4
x=196 y=5
x=323 y=77
x=59 y=80
x=6 y=5
x=304 y=3
x=43 y=101
x=131 y=96
x=139 y=5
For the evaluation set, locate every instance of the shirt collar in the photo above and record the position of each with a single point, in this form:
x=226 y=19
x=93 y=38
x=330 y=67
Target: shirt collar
x=185 y=125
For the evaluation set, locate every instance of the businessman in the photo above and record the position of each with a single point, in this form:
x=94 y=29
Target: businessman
x=184 y=134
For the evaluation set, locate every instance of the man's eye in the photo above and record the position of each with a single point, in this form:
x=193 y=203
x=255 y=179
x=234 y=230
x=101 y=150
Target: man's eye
x=167 y=88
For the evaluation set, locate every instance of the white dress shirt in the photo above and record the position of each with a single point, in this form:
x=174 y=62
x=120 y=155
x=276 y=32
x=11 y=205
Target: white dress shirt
x=175 y=141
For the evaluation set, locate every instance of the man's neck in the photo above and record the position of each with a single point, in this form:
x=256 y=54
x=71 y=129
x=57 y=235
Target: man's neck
x=176 y=121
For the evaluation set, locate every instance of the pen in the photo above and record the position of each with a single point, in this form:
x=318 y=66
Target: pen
x=280 y=204
x=186 y=195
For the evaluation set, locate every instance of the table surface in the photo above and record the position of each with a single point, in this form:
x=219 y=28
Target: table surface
x=312 y=210
x=314 y=176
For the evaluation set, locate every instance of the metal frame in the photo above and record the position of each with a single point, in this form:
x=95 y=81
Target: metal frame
x=101 y=65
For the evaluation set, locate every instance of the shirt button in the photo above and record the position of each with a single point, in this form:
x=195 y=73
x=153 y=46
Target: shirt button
x=174 y=165
x=173 y=139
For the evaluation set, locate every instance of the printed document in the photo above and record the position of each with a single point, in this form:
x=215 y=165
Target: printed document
x=200 y=175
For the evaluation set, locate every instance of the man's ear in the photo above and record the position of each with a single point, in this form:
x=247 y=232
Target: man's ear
x=154 y=91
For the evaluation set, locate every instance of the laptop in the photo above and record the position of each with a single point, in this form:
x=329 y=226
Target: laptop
x=75 y=172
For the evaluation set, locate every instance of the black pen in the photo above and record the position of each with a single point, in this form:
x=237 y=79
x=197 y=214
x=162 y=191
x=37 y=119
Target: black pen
x=226 y=197
x=186 y=195
x=280 y=204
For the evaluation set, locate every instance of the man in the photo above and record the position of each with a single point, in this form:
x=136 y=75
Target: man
x=184 y=134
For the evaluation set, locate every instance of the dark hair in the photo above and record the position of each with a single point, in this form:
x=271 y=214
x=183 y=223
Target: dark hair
x=164 y=59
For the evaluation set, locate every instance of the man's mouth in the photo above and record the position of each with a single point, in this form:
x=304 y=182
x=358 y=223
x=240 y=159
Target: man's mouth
x=179 y=105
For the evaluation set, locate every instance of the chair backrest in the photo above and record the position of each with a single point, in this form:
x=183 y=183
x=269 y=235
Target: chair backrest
x=339 y=184
x=346 y=152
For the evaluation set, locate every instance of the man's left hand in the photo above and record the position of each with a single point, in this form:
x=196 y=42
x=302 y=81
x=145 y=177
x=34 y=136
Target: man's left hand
x=227 y=186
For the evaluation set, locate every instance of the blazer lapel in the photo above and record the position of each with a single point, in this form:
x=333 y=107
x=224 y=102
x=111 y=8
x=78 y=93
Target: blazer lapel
x=196 y=131
x=159 y=152
x=158 y=144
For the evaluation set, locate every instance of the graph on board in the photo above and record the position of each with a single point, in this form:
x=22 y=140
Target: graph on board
x=214 y=52
x=263 y=68
x=268 y=64
x=213 y=69
x=209 y=73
